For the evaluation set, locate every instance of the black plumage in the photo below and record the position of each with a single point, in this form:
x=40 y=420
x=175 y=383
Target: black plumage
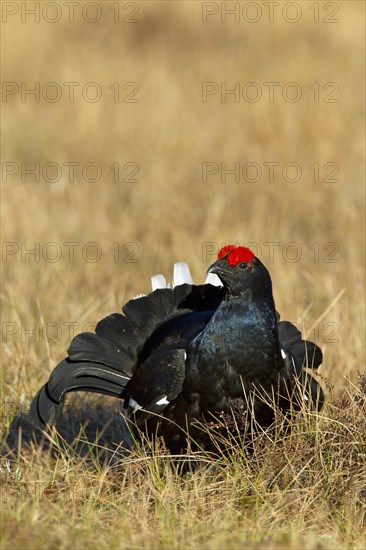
x=180 y=358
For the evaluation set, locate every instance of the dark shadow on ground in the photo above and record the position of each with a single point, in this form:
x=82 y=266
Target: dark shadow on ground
x=92 y=428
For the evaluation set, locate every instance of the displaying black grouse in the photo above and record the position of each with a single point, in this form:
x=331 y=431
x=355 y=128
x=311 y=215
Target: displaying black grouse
x=182 y=356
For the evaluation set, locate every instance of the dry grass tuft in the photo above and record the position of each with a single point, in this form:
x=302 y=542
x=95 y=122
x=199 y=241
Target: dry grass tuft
x=299 y=487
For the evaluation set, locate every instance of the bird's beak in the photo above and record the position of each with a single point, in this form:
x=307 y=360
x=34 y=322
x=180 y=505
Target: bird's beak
x=220 y=267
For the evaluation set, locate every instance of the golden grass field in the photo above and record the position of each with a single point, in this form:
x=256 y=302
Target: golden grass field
x=305 y=490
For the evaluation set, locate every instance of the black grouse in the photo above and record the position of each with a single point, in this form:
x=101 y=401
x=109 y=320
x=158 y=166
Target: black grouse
x=182 y=357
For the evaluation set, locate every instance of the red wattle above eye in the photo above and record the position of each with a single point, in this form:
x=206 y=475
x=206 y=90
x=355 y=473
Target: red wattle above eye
x=236 y=254
x=225 y=251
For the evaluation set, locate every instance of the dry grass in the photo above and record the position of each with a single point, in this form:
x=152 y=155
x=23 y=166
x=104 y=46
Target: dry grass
x=303 y=490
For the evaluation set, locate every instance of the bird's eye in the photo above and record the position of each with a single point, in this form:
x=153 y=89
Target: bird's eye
x=243 y=265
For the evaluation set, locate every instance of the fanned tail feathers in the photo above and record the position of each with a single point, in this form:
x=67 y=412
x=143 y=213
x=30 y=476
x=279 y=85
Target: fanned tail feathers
x=104 y=361
x=299 y=354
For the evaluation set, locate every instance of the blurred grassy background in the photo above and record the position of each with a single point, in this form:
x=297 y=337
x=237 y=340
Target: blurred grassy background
x=170 y=212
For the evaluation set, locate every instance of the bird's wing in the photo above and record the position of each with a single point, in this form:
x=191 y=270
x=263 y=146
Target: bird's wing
x=156 y=383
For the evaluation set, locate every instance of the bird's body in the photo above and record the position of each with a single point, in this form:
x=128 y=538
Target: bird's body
x=182 y=357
